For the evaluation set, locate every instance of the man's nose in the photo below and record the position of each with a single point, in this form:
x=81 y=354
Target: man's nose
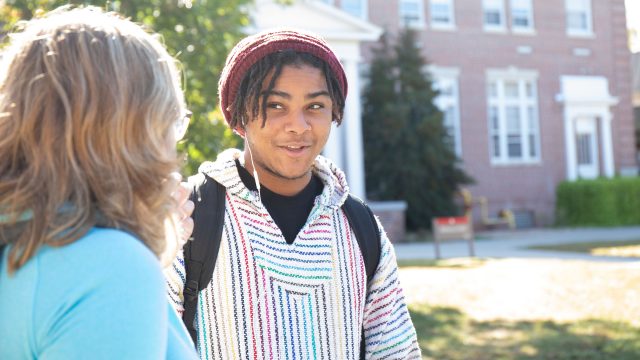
x=297 y=122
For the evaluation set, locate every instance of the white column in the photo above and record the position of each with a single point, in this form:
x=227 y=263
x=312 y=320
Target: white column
x=353 y=131
x=607 y=144
x=332 y=149
x=570 y=143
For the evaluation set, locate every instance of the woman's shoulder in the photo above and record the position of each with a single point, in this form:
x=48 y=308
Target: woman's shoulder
x=111 y=244
x=107 y=283
x=102 y=256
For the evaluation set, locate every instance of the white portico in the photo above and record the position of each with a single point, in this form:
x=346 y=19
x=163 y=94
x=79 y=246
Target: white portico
x=344 y=33
x=587 y=124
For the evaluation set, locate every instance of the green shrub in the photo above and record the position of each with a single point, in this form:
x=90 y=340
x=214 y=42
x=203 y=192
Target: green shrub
x=599 y=202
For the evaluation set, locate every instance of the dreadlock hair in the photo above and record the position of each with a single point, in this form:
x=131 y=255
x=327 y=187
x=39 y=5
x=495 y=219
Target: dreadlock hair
x=246 y=106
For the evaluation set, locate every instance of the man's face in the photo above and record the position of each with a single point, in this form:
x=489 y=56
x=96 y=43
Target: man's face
x=299 y=115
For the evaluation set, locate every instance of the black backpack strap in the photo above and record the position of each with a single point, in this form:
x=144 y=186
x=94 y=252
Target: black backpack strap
x=2 y=246
x=367 y=233
x=201 y=251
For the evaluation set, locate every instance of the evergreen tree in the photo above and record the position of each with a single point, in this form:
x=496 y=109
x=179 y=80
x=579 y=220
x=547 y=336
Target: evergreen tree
x=380 y=128
x=408 y=153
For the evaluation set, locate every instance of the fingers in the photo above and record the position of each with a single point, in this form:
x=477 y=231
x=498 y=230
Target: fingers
x=185 y=207
x=181 y=196
x=181 y=193
x=174 y=179
x=186 y=228
x=185 y=222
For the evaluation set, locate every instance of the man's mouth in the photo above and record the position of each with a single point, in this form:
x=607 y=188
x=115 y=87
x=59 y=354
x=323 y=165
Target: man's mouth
x=295 y=149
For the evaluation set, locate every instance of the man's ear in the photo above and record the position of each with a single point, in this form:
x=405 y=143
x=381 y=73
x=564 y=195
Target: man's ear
x=240 y=131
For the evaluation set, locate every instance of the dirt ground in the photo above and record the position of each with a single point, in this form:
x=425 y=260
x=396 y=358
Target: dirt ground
x=525 y=289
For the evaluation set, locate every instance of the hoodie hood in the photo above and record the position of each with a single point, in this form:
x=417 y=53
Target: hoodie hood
x=224 y=171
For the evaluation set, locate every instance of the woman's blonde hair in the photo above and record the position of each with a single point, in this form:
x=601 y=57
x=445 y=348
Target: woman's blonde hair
x=88 y=104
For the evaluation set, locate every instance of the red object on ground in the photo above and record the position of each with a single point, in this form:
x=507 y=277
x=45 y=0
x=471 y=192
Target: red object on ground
x=452 y=220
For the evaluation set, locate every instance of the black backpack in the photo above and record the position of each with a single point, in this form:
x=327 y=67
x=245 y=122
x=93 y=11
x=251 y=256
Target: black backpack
x=208 y=196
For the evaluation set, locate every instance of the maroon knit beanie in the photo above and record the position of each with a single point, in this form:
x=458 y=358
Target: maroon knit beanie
x=253 y=48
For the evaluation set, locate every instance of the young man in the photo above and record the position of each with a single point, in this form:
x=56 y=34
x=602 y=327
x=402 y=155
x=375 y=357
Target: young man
x=289 y=280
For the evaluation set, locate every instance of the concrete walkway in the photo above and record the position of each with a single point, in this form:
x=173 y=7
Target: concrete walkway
x=514 y=243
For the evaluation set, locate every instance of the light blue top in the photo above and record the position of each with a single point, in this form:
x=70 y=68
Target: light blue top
x=100 y=297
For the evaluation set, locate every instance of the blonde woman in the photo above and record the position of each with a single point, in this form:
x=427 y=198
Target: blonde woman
x=90 y=111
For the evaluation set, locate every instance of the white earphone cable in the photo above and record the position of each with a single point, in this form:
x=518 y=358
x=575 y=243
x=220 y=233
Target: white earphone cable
x=253 y=165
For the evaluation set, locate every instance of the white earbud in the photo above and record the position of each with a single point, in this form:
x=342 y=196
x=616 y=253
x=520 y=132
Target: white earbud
x=253 y=165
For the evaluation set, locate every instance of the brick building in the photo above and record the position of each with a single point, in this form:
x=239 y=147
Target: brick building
x=534 y=91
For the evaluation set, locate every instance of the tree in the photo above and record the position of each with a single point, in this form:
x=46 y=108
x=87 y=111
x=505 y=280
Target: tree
x=636 y=116
x=408 y=153
x=199 y=33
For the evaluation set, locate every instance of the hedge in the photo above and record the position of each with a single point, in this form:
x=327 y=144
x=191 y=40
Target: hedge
x=599 y=202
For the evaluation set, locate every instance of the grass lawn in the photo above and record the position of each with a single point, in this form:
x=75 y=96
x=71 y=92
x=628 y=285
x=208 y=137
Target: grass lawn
x=610 y=248
x=525 y=309
x=443 y=263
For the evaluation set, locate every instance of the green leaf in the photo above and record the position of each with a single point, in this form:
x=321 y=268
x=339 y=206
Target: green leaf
x=211 y=27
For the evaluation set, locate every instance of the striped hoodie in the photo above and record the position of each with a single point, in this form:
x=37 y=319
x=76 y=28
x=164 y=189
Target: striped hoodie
x=306 y=300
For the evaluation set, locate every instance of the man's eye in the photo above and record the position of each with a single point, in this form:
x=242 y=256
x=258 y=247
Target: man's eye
x=316 y=106
x=274 y=106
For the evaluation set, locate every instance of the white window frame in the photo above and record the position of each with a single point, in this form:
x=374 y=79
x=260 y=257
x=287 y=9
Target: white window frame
x=450 y=24
x=419 y=23
x=364 y=9
x=528 y=9
x=588 y=13
x=526 y=119
x=443 y=101
x=489 y=4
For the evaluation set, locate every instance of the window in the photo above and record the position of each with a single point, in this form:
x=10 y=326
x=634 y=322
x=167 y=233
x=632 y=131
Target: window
x=357 y=8
x=521 y=15
x=411 y=13
x=442 y=14
x=514 y=136
x=327 y=1
x=584 y=149
x=578 y=17
x=445 y=81
x=493 y=12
